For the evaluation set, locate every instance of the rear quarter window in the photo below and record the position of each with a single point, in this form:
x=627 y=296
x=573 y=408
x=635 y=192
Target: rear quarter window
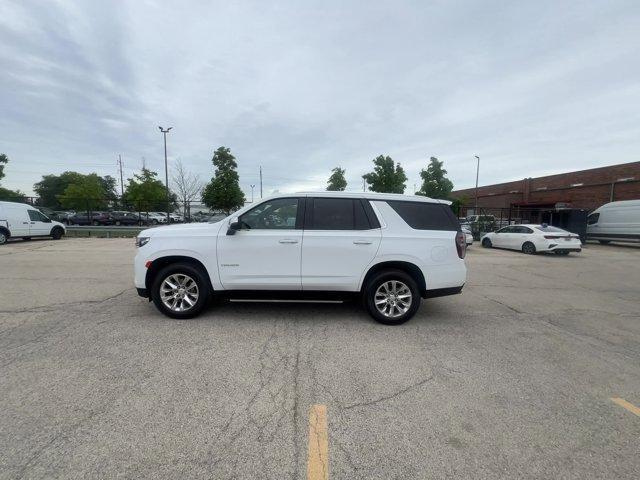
x=426 y=216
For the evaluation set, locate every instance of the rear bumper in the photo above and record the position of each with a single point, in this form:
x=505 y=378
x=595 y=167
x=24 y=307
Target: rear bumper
x=566 y=250
x=442 y=292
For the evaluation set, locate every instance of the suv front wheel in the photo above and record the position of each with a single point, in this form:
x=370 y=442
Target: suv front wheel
x=180 y=290
x=392 y=297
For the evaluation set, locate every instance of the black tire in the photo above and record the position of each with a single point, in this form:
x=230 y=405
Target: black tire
x=96 y=223
x=557 y=252
x=486 y=243
x=605 y=242
x=528 y=248
x=369 y=296
x=57 y=233
x=198 y=276
x=4 y=236
x=118 y=223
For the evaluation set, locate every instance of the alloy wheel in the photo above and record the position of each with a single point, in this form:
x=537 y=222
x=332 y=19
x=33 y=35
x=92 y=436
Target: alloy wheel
x=179 y=292
x=393 y=298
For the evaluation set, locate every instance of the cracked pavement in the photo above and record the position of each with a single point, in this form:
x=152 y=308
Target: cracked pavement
x=511 y=379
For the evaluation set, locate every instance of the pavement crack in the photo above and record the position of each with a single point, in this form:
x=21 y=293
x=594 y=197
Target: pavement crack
x=391 y=396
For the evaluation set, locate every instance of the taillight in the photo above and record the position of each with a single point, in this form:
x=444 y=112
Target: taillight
x=552 y=237
x=461 y=244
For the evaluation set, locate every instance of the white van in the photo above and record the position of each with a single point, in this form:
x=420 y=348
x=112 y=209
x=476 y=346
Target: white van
x=615 y=222
x=19 y=220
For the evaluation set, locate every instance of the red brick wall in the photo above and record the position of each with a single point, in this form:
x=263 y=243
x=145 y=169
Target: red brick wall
x=595 y=191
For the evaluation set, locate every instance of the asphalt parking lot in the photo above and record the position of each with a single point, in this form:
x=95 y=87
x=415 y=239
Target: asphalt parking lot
x=512 y=379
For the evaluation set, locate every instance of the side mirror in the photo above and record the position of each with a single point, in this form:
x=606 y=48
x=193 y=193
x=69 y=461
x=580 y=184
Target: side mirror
x=234 y=226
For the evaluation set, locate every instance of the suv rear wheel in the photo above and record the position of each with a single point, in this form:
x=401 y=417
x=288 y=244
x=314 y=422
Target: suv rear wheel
x=392 y=297
x=180 y=290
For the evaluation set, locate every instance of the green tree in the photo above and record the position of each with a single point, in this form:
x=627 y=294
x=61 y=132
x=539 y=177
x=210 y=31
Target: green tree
x=51 y=187
x=434 y=182
x=5 y=193
x=387 y=176
x=223 y=191
x=109 y=186
x=11 y=195
x=147 y=193
x=86 y=194
x=3 y=161
x=337 y=182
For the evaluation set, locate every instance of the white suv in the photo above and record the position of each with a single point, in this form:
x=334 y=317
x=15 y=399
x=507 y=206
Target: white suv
x=388 y=249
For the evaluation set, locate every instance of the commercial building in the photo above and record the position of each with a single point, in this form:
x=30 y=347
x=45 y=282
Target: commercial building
x=584 y=189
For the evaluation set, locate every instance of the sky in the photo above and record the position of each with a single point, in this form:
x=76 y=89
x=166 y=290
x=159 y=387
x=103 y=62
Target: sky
x=299 y=88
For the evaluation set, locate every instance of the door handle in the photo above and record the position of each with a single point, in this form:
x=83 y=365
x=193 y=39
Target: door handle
x=25 y=223
x=288 y=240
x=362 y=242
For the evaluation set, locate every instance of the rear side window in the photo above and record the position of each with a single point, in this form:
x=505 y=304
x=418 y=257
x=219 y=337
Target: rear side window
x=336 y=214
x=593 y=218
x=426 y=216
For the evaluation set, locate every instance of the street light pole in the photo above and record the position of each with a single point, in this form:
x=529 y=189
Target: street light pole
x=475 y=211
x=252 y=187
x=166 y=169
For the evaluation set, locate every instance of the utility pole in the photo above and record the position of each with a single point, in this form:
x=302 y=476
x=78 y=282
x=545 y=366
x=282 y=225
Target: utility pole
x=252 y=187
x=475 y=211
x=121 y=181
x=166 y=169
x=260 y=181
x=364 y=185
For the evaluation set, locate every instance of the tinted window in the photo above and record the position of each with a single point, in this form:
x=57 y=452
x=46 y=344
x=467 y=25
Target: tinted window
x=279 y=213
x=593 y=218
x=426 y=216
x=522 y=230
x=334 y=214
x=506 y=230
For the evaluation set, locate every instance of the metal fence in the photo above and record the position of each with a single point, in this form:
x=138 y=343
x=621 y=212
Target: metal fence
x=490 y=219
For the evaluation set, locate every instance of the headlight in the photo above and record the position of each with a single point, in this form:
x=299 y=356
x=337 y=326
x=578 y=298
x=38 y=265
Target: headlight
x=141 y=241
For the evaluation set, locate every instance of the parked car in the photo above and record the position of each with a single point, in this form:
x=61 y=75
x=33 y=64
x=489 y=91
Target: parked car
x=50 y=213
x=533 y=239
x=63 y=215
x=480 y=224
x=308 y=245
x=154 y=218
x=125 y=218
x=468 y=235
x=90 y=218
x=615 y=222
x=19 y=220
x=176 y=218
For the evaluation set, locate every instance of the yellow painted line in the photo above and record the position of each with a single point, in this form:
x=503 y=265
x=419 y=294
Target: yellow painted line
x=318 y=460
x=624 y=404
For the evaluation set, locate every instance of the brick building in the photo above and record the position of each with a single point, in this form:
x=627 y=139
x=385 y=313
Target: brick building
x=586 y=189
